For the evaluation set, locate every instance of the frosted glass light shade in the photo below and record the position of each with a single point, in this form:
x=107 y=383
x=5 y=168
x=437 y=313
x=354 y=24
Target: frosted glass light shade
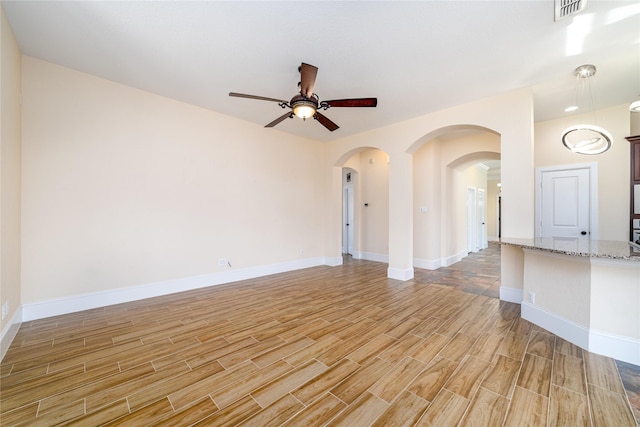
x=304 y=110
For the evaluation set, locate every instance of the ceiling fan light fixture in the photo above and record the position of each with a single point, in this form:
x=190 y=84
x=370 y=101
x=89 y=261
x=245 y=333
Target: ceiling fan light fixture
x=304 y=107
x=304 y=110
x=306 y=103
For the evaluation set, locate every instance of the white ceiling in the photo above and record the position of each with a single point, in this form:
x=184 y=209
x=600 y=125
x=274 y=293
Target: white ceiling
x=415 y=57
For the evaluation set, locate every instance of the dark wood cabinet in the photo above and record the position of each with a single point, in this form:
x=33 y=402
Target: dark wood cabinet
x=635 y=159
x=634 y=223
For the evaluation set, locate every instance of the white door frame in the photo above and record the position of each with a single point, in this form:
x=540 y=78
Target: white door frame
x=593 y=194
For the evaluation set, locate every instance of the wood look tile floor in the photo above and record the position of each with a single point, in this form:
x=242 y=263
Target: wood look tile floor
x=339 y=346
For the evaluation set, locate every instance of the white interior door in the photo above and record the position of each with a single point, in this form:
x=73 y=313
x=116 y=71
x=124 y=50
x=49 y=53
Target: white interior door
x=472 y=235
x=565 y=203
x=482 y=220
x=347 y=220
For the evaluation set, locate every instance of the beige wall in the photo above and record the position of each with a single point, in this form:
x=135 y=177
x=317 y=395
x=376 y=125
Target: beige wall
x=124 y=188
x=429 y=194
x=374 y=187
x=615 y=298
x=10 y=170
x=613 y=166
x=544 y=271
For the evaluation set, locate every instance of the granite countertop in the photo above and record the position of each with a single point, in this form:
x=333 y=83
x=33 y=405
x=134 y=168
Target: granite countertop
x=612 y=249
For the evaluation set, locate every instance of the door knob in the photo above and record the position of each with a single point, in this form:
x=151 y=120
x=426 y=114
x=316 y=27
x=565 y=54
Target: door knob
x=584 y=233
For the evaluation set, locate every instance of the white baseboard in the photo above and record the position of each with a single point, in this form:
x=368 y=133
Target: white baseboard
x=372 y=256
x=455 y=258
x=622 y=348
x=428 y=264
x=403 y=274
x=392 y=273
x=42 y=309
x=9 y=332
x=434 y=264
x=333 y=261
x=511 y=294
x=619 y=347
x=564 y=328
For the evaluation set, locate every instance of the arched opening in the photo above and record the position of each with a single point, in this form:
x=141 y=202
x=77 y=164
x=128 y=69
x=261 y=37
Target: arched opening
x=479 y=172
x=365 y=204
x=453 y=203
x=349 y=184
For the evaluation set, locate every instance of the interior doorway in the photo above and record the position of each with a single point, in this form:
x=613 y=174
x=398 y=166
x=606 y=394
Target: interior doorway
x=472 y=230
x=499 y=216
x=482 y=219
x=348 y=219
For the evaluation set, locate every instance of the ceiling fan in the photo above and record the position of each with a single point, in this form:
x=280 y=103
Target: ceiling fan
x=306 y=104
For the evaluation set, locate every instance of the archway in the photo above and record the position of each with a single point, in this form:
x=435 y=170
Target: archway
x=444 y=170
x=480 y=203
x=365 y=204
x=510 y=116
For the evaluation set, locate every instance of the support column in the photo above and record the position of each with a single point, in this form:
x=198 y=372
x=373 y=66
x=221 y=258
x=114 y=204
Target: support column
x=400 y=217
x=517 y=219
x=333 y=219
x=511 y=274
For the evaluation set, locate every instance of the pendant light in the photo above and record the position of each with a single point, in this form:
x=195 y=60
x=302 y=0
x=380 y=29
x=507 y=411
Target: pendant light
x=586 y=138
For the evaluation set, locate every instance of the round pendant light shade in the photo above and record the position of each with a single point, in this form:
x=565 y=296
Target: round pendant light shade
x=587 y=139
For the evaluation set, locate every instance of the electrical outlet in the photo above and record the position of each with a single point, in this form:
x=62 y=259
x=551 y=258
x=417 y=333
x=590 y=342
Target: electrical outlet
x=531 y=297
x=5 y=309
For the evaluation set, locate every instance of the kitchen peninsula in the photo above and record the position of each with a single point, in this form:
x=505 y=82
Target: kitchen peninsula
x=585 y=291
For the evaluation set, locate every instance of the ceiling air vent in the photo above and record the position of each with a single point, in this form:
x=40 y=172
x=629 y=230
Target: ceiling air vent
x=564 y=8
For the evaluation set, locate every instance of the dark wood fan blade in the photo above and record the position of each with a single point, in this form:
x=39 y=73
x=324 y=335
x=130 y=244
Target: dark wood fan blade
x=262 y=98
x=325 y=122
x=353 y=102
x=279 y=119
x=307 y=79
